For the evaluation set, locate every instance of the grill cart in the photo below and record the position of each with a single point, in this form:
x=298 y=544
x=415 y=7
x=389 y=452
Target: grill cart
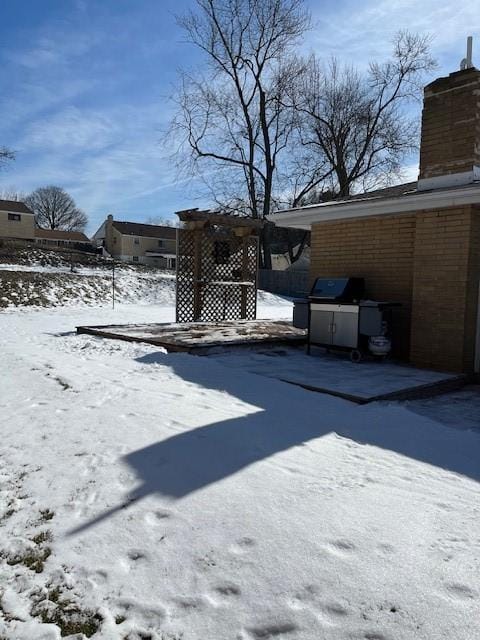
x=339 y=318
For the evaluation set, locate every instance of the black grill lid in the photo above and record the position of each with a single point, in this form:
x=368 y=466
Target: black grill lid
x=338 y=289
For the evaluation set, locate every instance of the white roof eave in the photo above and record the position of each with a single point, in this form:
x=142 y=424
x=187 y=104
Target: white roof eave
x=304 y=217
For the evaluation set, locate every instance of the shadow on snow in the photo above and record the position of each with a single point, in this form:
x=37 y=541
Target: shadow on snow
x=282 y=416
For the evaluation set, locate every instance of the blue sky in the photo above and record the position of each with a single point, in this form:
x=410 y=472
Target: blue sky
x=85 y=86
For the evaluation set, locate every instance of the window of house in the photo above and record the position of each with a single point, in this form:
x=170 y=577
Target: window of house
x=173 y=263
x=160 y=243
x=14 y=216
x=114 y=240
x=135 y=258
x=136 y=241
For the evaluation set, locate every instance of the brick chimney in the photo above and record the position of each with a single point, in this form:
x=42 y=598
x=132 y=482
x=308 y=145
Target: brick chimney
x=450 y=143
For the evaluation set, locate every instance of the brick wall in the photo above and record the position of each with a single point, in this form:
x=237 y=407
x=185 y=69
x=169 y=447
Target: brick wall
x=441 y=319
x=451 y=125
x=377 y=249
x=472 y=322
x=429 y=261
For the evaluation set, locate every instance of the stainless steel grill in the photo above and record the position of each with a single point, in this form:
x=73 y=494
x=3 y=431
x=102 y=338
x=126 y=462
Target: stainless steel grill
x=339 y=317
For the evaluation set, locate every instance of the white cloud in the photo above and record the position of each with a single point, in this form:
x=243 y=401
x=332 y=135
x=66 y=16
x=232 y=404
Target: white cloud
x=357 y=32
x=58 y=47
x=71 y=129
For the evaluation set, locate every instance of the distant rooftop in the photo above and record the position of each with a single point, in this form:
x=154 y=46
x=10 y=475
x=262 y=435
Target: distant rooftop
x=145 y=230
x=57 y=234
x=14 y=207
x=385 y=192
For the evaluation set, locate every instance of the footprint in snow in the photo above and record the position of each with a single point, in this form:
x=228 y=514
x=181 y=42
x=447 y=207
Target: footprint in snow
x=228 y=589
x=274 y=630
x=243 y=545
x=158 y=517
x=335 y=609
x=97 y=578
x=341 y=547
x=460 y=591
x=386 y=548
x=186 y=603
x=328 y=613
x=132 y=559
x=136 y=554
x=153 y=615
x=445 y=507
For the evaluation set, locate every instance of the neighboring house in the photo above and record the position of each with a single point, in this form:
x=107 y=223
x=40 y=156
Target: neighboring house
x=17 y=221
x=148 y=244
x=417 y=243
x=66 y=239
x=281 y=261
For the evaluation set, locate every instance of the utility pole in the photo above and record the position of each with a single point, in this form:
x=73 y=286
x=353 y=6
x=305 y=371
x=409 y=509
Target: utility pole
x=113 y=284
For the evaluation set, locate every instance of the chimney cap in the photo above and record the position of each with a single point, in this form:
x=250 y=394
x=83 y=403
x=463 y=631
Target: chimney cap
x=109 y=217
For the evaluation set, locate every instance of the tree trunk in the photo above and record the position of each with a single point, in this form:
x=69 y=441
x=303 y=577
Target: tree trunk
x=265 y=246
x=294 y=256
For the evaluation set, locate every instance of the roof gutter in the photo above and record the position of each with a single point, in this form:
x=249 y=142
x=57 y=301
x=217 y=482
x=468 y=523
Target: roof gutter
x=304 y=217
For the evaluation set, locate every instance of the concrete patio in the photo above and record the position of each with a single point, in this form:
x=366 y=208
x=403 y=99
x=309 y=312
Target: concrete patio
x=334 y=374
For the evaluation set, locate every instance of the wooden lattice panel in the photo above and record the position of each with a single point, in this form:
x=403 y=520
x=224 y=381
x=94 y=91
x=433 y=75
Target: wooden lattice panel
x=216 y=276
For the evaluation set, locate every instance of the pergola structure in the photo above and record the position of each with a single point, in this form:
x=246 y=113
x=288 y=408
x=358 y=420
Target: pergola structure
x=217 y=263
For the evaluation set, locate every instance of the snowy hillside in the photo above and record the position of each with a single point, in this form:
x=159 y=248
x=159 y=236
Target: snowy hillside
x=46 y=279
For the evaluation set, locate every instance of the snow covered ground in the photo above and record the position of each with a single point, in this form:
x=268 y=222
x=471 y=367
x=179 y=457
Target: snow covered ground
x=168 y=496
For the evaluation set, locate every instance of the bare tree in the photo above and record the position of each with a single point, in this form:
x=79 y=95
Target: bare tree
x=357 y=124
x=12 y=194
x=6 y=155
x=163 y=222
x=54 y=208
x=231 y=120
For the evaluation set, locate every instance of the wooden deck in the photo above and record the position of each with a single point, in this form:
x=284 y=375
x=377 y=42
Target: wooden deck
x=201 y=336
x=323 y=373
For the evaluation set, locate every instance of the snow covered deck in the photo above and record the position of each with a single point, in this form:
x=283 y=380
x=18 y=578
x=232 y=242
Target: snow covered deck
x=198 y=336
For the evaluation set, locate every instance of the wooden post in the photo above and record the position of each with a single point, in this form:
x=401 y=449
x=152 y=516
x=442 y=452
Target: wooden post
x=244 y=233
x=243 y=287
x=197 y=274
